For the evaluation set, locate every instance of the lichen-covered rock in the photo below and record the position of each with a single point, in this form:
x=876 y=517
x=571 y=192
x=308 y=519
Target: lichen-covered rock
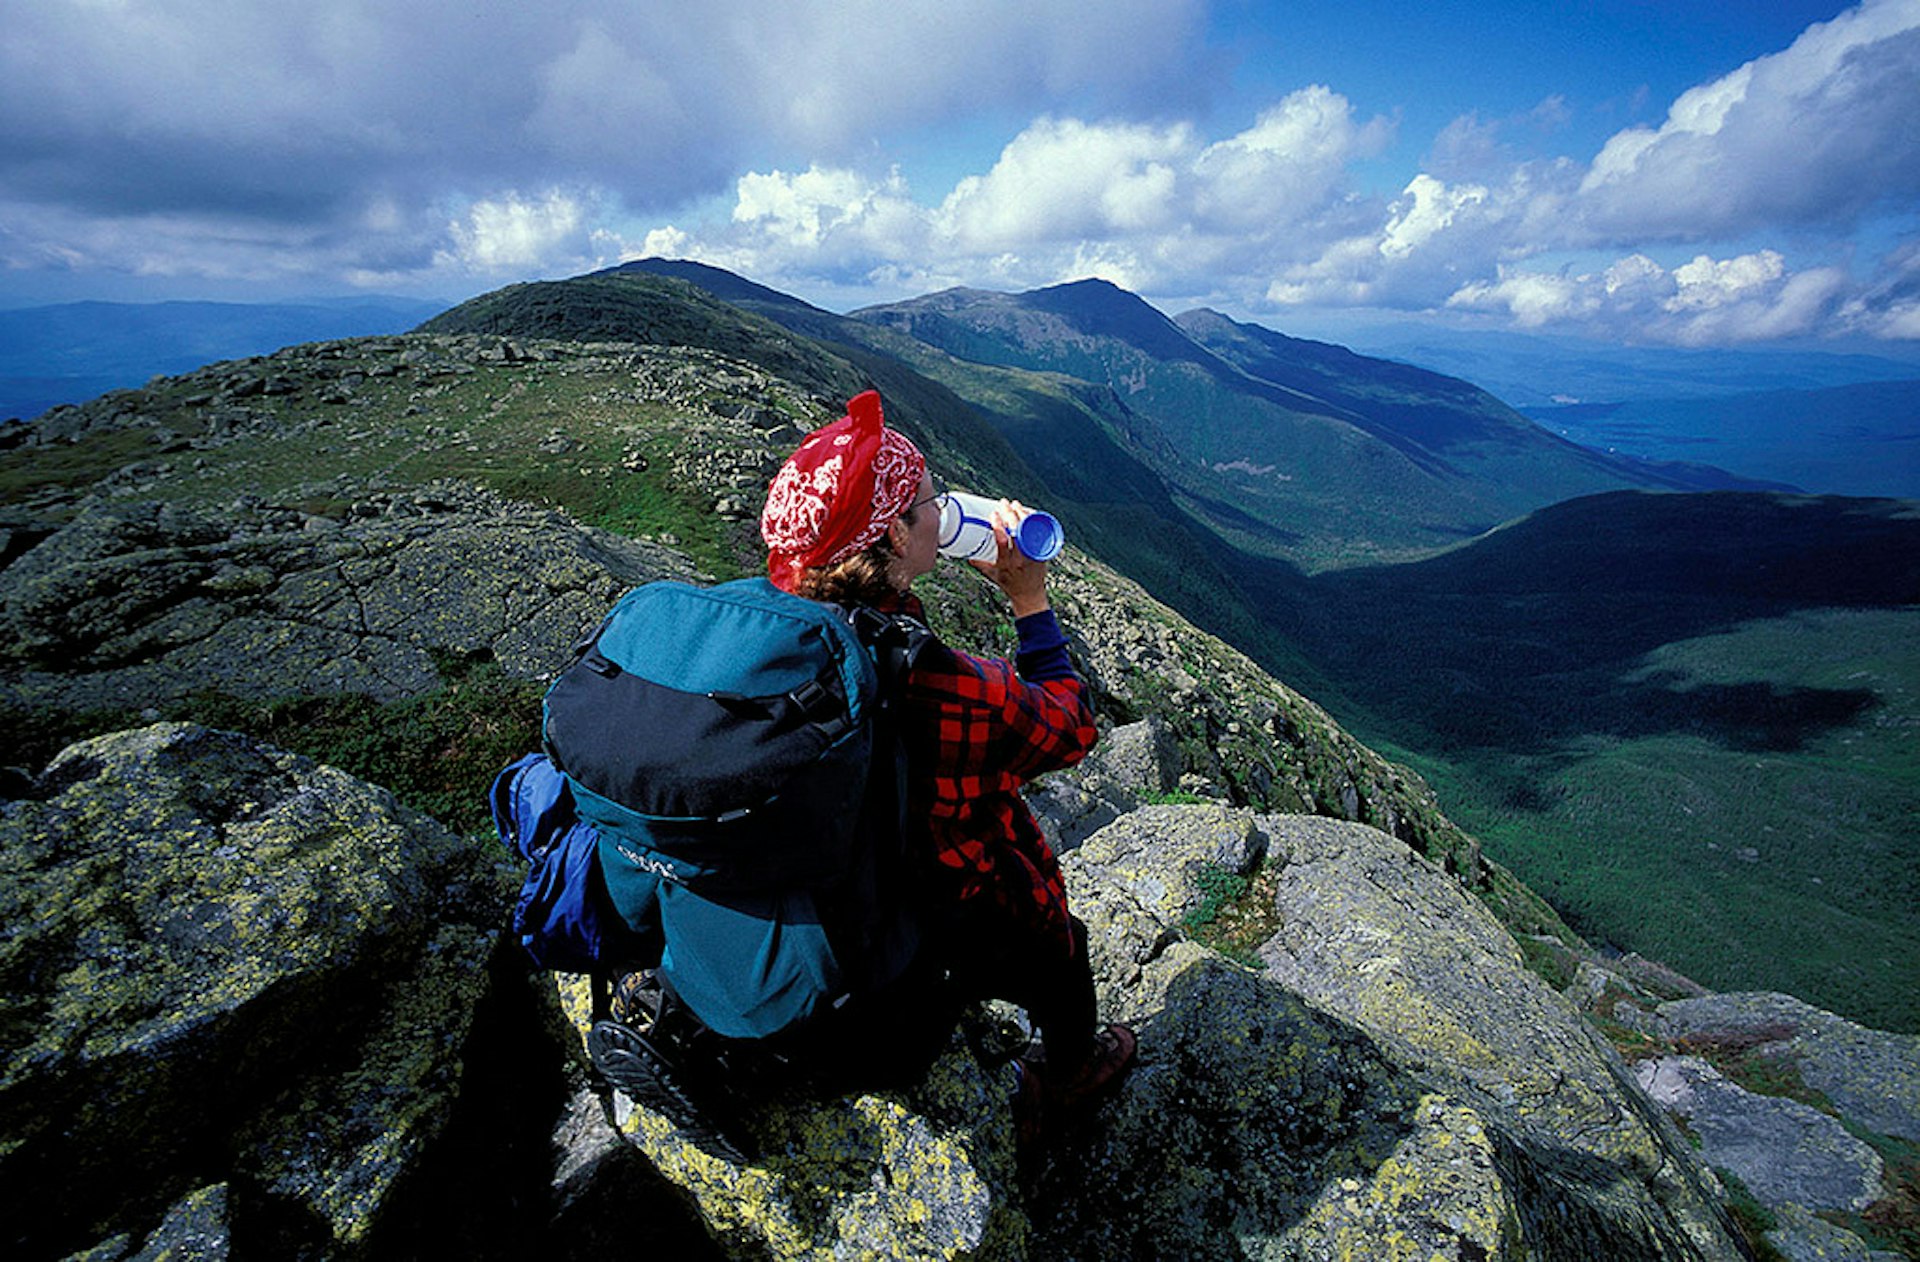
x=1133 y=762
x=223 y=963
x=1410 y=998
x=926 y=1172
x=1785 y=1152
x=1253 y=1126
x=608 y=1200
x=1160 y=855
x=196 y=1229
x=1872 y=1076
x=134 y=603
x=1439 y=1102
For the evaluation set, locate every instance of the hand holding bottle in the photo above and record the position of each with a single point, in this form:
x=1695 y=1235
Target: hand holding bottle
x=967 y=528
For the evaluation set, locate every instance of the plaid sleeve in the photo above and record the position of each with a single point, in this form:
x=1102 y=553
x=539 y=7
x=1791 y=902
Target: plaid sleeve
x=995 y=730
x=981 y=731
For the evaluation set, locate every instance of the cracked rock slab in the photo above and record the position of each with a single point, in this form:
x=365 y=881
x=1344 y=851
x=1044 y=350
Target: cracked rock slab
x=133 y=604
x=1872 y=1076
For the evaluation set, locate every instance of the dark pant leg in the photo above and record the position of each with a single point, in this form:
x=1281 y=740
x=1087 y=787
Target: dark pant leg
x=992 y=956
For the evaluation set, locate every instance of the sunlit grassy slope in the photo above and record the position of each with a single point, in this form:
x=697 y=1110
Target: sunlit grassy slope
x=1795 y=869
x=1694 y=727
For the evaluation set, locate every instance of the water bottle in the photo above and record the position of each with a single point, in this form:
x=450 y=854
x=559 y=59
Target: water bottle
x=966 y=530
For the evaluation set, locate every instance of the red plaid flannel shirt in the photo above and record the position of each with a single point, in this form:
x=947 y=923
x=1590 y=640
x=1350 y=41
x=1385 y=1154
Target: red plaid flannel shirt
x=984 y=732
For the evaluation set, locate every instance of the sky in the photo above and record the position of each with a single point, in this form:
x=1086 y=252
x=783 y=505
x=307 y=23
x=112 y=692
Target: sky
x=1656 y=172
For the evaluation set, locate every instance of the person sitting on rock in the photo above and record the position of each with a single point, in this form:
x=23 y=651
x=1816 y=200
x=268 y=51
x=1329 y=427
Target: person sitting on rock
x=853 y=518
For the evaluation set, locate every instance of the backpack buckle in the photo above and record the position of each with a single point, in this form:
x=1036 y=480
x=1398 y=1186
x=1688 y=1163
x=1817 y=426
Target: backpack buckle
x=809 y=697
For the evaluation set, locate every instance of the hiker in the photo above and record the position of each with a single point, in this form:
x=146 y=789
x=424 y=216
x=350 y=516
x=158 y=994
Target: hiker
x=853 y=518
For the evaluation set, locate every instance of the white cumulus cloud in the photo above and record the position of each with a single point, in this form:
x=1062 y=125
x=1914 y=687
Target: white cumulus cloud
x=1427 y=208
x=1153 y=207
x=1063 y=180
x=1820 y=133
x=512 y=232
x=1285 y=167
x=1706 y=301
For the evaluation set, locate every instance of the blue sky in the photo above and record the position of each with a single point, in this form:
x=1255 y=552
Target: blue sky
x=1670 y=172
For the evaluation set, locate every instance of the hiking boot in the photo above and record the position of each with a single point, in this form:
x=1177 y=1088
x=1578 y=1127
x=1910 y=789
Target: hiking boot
x=1097 y=1076
x=627 y=1061
x=636 y=999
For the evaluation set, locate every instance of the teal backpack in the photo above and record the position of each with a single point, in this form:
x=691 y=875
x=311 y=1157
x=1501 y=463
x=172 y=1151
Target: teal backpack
x=736 y=749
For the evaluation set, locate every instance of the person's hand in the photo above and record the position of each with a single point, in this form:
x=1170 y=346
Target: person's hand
x=1023 y=579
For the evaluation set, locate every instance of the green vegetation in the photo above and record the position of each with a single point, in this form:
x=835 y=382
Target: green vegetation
x=437 y=751
x=1891 y=1223
x=72 y=467
x=1549 y=960
x=1236 y=913
x=1691 y=723
x=1623 y=846
x=573 y=433
x=1753 y=1218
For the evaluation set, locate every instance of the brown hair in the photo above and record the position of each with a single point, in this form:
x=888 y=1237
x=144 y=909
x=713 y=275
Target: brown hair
x=861 y=579
x=864 y=578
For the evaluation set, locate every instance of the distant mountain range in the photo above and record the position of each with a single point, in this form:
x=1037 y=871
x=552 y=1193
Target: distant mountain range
x=71 y=352
x=1533 y=370
x=1296 y=449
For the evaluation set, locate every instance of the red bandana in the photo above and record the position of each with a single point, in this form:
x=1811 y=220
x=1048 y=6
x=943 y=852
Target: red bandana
x=839 y=492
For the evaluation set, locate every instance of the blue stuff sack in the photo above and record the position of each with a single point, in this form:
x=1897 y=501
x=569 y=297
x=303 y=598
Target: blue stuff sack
x=564 y=917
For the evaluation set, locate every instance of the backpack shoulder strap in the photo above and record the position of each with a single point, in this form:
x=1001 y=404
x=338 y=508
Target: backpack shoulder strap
x=894 y=641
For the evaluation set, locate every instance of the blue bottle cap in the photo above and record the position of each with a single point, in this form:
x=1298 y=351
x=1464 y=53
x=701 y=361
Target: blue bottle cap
x=1039 y=536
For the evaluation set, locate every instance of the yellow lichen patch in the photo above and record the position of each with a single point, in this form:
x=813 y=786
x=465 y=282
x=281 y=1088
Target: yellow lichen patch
x=919 y=1174
x=1438 y=1195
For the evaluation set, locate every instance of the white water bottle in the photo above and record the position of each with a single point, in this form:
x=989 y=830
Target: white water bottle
x=966 y=530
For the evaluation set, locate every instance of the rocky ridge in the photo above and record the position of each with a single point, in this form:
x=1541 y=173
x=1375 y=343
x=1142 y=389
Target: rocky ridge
x=310 y=1044
x=1370 y=1069
x=327 y=550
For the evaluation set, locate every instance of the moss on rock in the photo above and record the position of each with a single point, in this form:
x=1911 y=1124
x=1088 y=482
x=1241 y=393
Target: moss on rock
x=923 y=1173
x=223 y=960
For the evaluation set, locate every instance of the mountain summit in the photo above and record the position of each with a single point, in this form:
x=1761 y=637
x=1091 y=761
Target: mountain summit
x=1331 y=458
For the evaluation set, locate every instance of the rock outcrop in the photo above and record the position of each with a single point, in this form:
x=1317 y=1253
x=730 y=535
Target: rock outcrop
x=248 y=995
x=1391 y=1082
x=237 y=984
x=1784 y=1152
x=1871 y=1076
x=134 y=603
